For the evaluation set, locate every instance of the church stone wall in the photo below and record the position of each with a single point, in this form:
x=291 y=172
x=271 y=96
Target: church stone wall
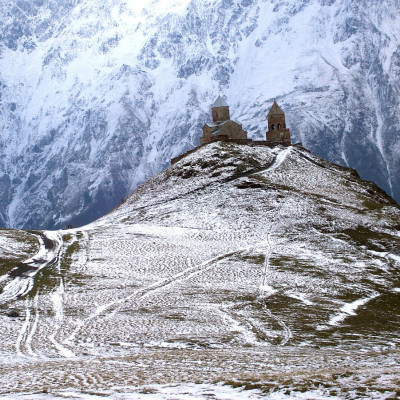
x=276 y=122
x=232 y=130
x=279 y=137
x=220 y=114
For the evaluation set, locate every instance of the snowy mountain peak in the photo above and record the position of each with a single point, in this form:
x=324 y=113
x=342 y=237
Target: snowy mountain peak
x=98 y=97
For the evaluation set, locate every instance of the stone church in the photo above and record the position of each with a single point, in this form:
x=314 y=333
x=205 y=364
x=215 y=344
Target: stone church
x=224 y=129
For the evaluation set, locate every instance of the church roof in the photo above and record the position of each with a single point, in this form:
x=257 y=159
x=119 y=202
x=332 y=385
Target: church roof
x=275 y=110
x=220 y=102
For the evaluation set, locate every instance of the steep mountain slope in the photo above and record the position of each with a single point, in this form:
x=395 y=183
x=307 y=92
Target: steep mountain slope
x=269 y=268
x=97 y=97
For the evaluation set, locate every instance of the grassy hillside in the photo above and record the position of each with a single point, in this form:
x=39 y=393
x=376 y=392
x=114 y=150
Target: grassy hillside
x=238 y=265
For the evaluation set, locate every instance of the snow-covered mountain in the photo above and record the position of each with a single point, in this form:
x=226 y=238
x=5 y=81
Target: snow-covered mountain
x=96 y=97
x=238 y=266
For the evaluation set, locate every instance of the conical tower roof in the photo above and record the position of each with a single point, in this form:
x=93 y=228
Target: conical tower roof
x=275 y=110
x=220 y=102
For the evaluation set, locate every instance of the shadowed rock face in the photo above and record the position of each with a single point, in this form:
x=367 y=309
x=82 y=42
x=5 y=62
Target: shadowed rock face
x=95 y=98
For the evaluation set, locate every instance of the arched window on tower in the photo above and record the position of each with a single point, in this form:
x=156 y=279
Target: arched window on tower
x=272 y=127
x=279 y=126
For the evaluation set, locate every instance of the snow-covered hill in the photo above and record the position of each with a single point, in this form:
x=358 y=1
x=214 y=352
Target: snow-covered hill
x=96 y=97
x=238 y=265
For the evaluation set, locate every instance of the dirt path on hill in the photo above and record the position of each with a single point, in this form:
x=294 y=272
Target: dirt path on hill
x=21 y=278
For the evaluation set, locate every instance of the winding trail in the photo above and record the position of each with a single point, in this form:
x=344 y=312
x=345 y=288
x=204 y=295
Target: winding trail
x=265 y=290
x=21 y=282
x=287 y=333
x=252 y=334
x=22 y=277
x=57 y=299
x=34 y=327
x=278 y=160
x=23 y=345
x=23 y=331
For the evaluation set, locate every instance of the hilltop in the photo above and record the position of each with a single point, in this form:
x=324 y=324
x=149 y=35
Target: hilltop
x=237 y=265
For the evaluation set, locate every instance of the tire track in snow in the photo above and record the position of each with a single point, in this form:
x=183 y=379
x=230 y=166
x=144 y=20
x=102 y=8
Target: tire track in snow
x=32 y=331
x=23 y=276
x=265 y=289
x=287 y=333
x=147 y=291
x=23 y=283
x=58 y=307
x=23 y=344
x=26 y=335
x=252 y=334
x=57 y=299
x=23 y=331
x=278 y=160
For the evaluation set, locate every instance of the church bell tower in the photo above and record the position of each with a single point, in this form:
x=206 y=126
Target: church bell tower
x=277 y=131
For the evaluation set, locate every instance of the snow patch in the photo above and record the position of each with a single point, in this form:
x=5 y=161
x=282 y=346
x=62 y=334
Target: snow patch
x=154 y=392
x=394 y=257
x=349 y=310
x=266 y=290
x=300 y=296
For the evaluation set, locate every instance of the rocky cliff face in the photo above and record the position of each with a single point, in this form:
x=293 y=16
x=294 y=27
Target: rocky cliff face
x=96 y=98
